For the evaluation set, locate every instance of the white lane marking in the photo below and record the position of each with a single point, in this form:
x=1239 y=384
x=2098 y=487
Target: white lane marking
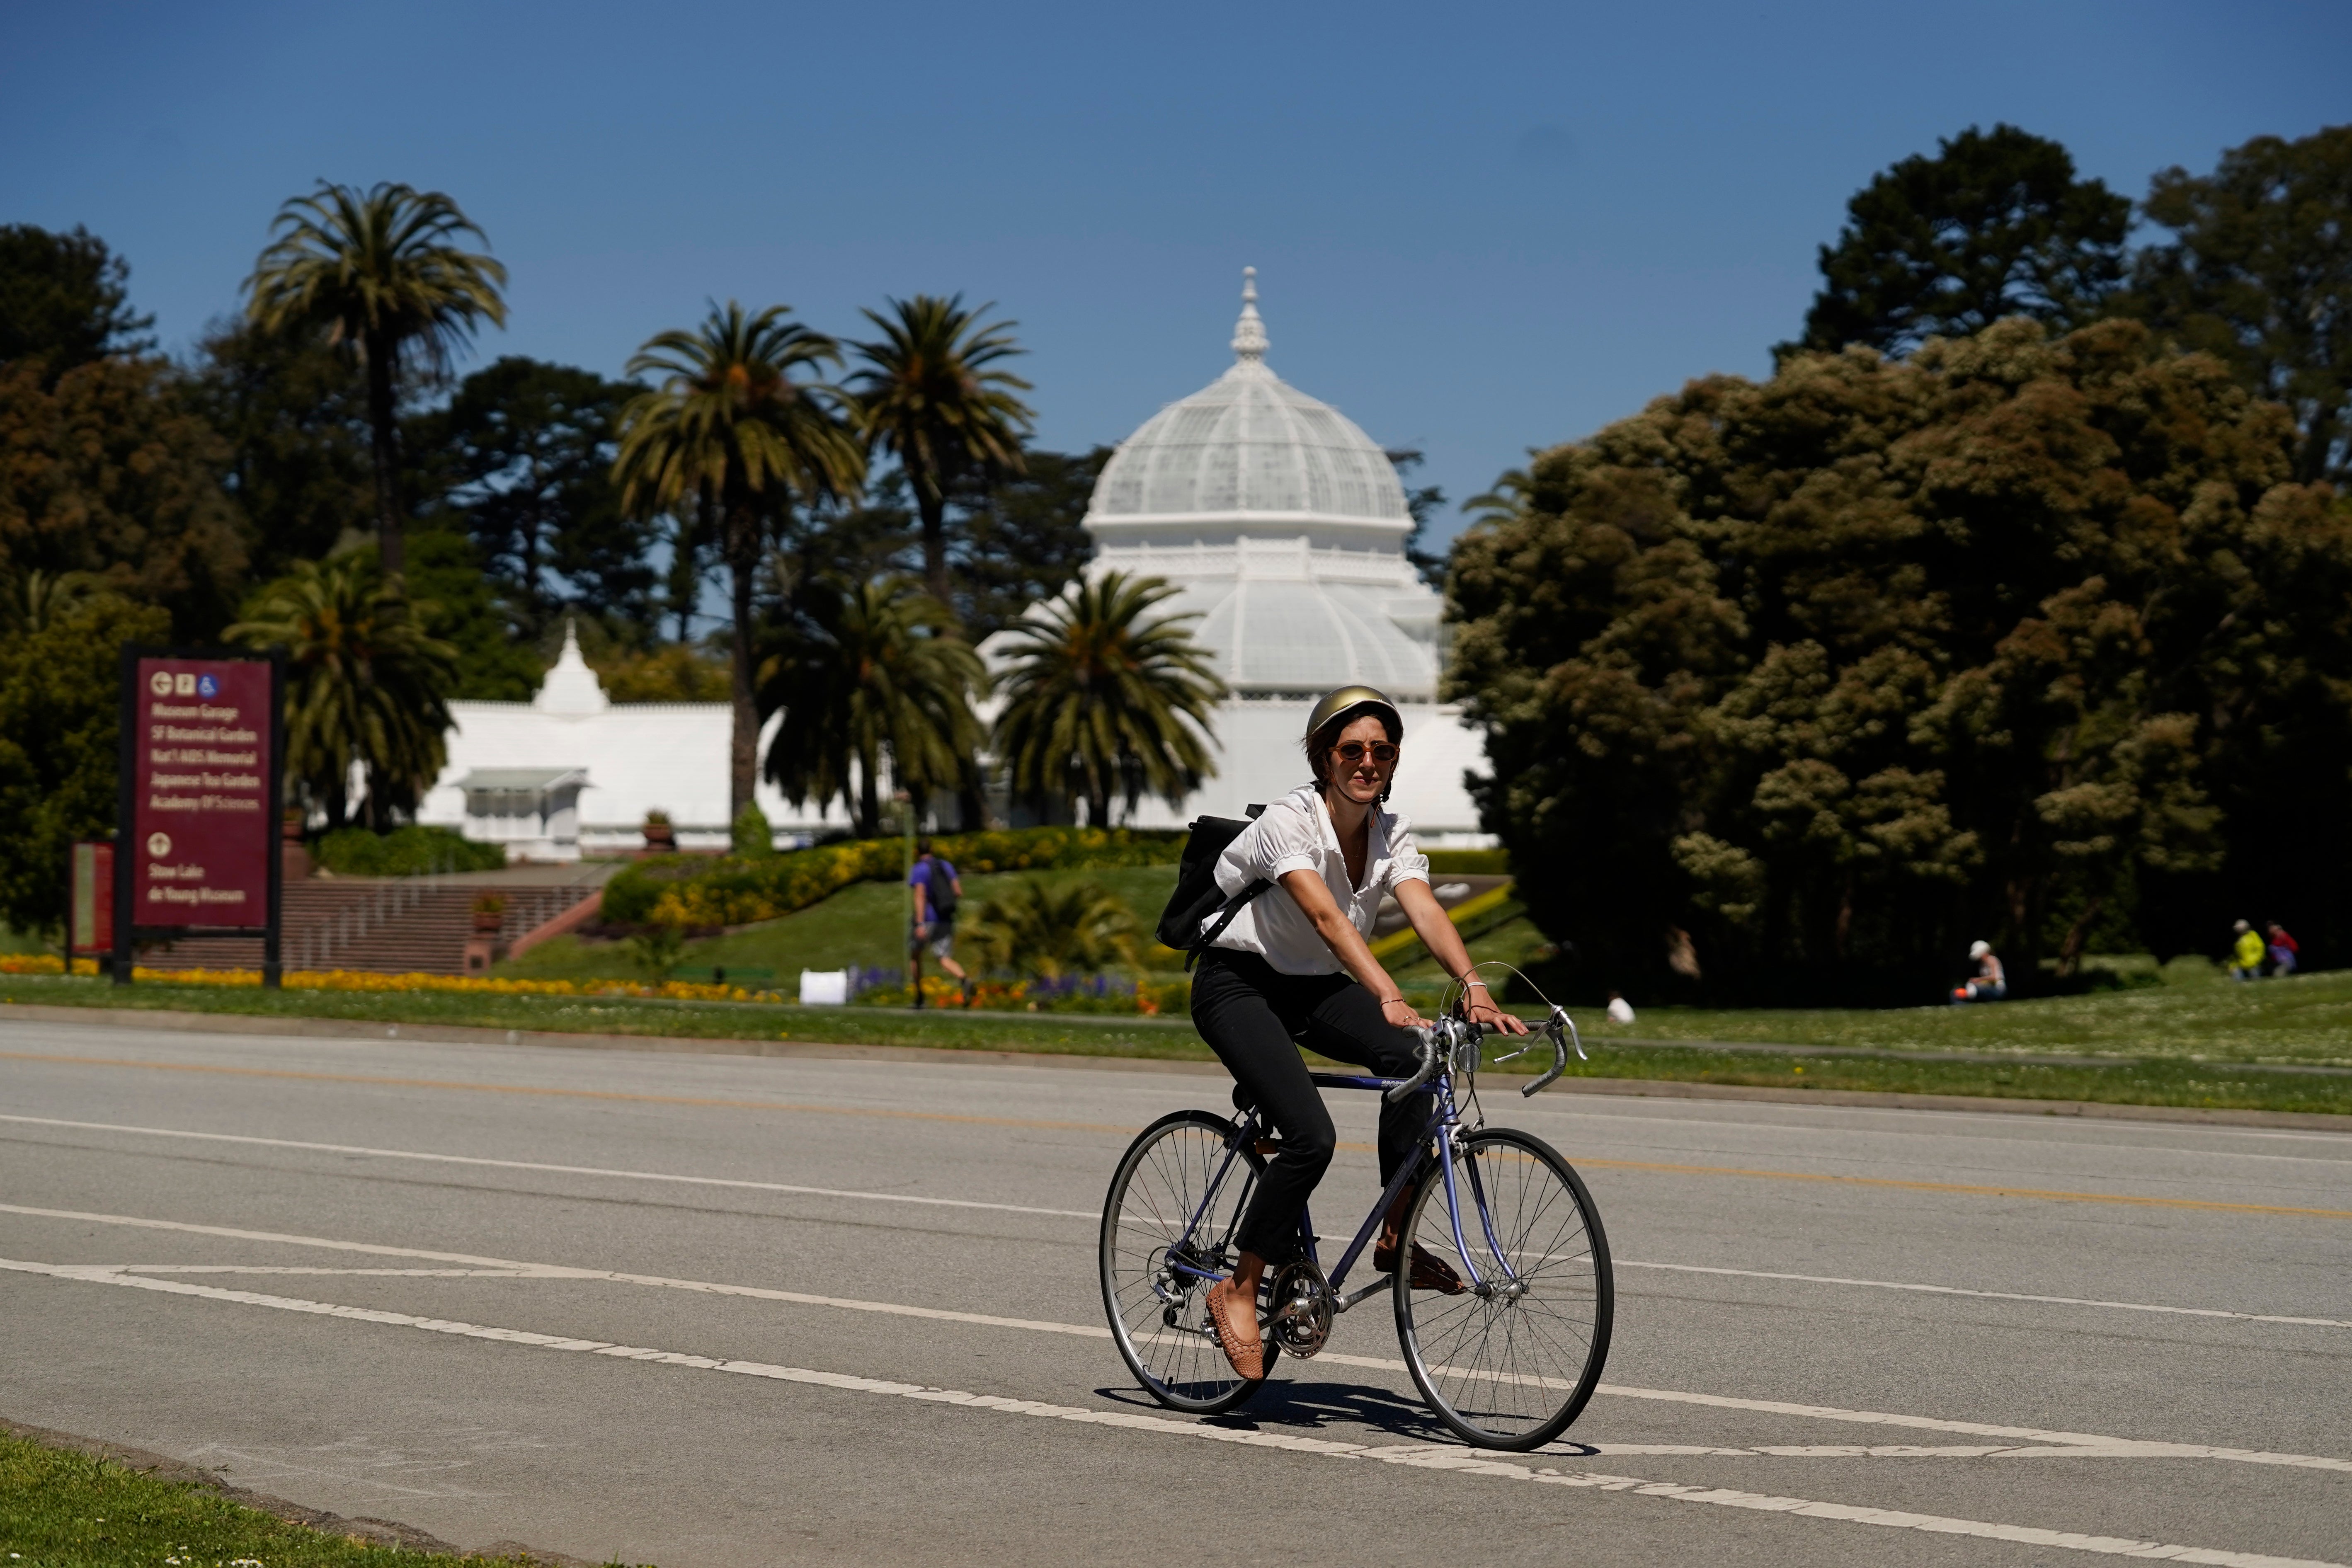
x=2117 y=1447
x=556 y=1169
x=562 y=1272
x=1994 y=1295
x=1095 y=1216
x=1428 y=1457
x=370 y=1273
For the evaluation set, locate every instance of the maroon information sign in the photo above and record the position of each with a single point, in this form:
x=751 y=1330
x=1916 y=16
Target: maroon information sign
x=197 y=848
x=202 y=831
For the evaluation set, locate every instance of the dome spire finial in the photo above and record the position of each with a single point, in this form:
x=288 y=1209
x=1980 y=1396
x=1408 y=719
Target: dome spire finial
x=1249 y=333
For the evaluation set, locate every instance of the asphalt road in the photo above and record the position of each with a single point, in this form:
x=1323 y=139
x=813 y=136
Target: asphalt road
x=859 y=1308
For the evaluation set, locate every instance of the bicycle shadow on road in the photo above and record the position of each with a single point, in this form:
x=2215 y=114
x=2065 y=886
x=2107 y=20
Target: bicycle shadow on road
x=1284 y=1406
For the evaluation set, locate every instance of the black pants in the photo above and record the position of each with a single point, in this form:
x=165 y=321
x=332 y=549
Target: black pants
x=1255 y=1017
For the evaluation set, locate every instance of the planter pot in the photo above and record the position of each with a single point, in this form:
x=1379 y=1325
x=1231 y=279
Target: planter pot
x=487 y=922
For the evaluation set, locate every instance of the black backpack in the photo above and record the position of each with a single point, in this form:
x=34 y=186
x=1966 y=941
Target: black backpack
x=1197 y=897
x=938 y=890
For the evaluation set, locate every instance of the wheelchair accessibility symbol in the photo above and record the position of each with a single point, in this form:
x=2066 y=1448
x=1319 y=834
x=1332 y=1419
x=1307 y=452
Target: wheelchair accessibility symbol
x=208 y=687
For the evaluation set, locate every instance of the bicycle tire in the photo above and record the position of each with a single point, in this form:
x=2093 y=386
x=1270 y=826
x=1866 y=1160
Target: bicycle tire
x=1160 y=1181
x=1508 y=1370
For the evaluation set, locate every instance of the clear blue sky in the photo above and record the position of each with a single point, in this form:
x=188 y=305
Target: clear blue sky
x=1478 y=228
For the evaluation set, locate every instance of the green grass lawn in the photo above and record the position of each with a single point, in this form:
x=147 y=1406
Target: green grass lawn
x=63 y=1510
x=864 y=924
x=2152 y=1078
x=2306 y=1020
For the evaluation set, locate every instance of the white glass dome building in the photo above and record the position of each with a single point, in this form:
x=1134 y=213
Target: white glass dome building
x=1282 y=525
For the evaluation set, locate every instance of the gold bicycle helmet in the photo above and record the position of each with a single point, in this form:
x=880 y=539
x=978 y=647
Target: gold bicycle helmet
x=1345 y=703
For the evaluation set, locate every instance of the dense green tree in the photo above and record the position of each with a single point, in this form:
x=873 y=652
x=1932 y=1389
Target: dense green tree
x=64 y=300
x=871 y=674
x=292 y=412
x=458 y=601
x=381 y=274
x=110 y=471
x=524 y=453
x=738 y=432
x=2259 y=273
x=930 y=397
x=60 y=703
x=1835 y=673
x=366 y=688
x=1103 y=700
x=1016 y=538
x=1994 y=224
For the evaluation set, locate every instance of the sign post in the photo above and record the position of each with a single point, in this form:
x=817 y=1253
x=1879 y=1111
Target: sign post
x=90 y=883
x=200 y=791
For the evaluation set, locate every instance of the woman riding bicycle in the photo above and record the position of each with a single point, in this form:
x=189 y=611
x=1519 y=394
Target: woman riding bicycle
x=1293 y=968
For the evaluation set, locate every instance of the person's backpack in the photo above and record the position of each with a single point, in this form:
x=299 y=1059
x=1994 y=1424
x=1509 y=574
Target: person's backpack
x=938 y=890
x=1197 y=897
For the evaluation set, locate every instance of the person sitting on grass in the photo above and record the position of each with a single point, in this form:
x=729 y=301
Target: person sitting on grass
x=2246 y=953
x=2284 y=951
x=1991 y=984
x=938 y=891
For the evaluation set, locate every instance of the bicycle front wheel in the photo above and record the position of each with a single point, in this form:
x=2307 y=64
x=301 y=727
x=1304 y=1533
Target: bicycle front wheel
x=1511 y=1361
x=1170 y=1219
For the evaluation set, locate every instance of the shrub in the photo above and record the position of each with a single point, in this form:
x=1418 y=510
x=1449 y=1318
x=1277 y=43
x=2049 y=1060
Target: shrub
x=750 y=838
x=688 y=891
x=411 y=851
x=1051 y=934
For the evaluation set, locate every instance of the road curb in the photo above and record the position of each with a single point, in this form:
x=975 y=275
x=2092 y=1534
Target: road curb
x=1639 y=1089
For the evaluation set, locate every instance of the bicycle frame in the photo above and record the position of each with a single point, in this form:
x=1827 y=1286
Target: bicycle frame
x=1444 y=1121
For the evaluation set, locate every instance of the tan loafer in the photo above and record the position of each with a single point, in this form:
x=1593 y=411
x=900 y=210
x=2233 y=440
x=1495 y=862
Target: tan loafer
x=1246 y=1349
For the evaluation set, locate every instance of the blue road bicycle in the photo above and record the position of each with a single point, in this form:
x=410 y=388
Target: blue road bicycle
x=1507 y=1362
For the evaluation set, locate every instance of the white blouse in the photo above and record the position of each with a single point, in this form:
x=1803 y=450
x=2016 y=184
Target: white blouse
x=1295 y=833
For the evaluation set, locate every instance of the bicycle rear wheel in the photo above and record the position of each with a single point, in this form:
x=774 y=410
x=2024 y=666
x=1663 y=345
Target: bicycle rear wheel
x=1510 y=1363
x=1175 y=1179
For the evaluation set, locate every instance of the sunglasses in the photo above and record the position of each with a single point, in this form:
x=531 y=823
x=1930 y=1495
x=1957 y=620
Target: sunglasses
x=1352 y=751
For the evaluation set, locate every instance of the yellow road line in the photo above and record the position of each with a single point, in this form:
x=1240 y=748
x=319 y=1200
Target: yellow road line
x=1963 y=1189
x=571 y=1093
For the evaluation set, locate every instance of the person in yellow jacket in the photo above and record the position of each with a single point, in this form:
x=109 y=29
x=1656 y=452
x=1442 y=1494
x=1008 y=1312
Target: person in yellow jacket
x=2246 y=954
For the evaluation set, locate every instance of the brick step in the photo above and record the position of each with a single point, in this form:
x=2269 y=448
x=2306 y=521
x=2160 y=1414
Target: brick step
x=383 y=926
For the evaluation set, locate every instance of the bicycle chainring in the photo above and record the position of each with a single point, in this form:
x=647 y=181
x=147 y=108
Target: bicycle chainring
x=1301 y=1307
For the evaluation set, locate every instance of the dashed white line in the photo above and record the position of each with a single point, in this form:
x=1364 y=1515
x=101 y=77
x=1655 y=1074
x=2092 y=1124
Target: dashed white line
x=1418 y=1456
x=552 y=1169
x=1995 y=1295
x=2113 y=1446
x=1092 y=1216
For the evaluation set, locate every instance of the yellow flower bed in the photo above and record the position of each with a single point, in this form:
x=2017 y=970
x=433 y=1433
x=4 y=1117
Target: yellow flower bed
x=364 y=980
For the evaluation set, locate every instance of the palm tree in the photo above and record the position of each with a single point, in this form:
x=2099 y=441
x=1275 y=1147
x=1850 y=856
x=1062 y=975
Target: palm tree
x=929 y=399
x=379 y=272
x=39 y=597
x=733 y=430
x=875 y=669
x=1100 y=701
x=1045 y=933
x=364 y=685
